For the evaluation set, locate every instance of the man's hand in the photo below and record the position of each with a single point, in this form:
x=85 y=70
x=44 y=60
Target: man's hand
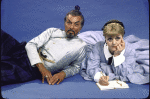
x=104 y=80
x=59 y=77
x=44 y=73
x=120 y=48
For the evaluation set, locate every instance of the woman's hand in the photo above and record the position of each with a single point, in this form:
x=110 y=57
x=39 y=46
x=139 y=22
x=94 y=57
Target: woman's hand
x=104 y=80
x=44 y=72
x=120 y=48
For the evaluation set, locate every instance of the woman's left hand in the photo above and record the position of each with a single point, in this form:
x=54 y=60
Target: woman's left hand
x=120 y=48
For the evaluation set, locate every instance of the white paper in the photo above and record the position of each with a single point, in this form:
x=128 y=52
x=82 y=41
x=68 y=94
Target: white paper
x=115 y=84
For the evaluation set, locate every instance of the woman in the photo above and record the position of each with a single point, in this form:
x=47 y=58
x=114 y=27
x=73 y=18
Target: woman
x=114 y=58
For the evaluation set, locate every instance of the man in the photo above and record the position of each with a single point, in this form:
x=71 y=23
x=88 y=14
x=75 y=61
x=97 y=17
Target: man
x=56 y=51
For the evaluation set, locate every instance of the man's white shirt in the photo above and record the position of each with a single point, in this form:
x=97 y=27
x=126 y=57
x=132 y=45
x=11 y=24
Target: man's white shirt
x=66 y=53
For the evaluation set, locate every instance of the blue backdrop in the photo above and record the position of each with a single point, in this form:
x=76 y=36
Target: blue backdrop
x=25 y=19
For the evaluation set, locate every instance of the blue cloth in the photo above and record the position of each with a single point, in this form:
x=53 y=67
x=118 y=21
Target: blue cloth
x=15 y=66
x=73 y=87
x=137 y=70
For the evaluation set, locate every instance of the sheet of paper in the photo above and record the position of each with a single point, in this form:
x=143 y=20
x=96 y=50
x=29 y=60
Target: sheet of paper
x=115 y=84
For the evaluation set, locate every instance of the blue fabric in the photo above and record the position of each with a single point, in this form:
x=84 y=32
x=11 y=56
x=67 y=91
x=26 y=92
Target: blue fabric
x=25 y=19
x=15 y=66
x=73 y=87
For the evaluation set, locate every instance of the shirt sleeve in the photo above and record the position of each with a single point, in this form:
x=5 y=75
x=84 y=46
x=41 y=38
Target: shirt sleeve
x=93 y=64
x=74 y=68
x=37 y=42
x=98 y=75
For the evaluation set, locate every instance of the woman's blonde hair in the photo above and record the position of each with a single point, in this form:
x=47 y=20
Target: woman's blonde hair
x=113 y=27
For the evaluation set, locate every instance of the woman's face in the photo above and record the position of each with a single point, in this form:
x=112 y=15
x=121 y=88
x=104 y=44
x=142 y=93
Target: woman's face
x=113 y=42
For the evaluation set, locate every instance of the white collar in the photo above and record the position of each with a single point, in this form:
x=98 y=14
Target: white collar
x=108 y=54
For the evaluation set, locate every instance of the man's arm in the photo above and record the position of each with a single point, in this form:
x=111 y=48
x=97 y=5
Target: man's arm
x=75 y=66
x=44 y=72
x=73 y=69
x=33 y=55
x=34 y=44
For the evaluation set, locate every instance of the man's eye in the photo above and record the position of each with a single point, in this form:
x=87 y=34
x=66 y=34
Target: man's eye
x=77 y=24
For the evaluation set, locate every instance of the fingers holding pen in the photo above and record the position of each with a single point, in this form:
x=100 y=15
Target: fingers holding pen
x=104 y=80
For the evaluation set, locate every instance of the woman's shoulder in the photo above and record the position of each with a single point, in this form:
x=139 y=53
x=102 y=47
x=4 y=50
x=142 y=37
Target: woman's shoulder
x=129 y=49
x=99 y=44
x=98 y=47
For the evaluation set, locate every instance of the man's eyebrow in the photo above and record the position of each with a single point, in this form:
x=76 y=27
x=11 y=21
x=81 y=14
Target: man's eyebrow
x=77 y=22
x=69 y=20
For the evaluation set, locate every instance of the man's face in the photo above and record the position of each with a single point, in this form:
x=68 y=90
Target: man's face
x=72 y=25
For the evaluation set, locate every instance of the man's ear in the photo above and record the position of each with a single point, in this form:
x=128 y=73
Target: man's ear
x=80 y=28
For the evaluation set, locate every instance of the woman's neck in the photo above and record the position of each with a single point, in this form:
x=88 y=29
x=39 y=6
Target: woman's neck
x=112 y=52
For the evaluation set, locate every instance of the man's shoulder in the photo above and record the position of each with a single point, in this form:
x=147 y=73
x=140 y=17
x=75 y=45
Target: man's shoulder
x=77 y=44
x=57 y=32
x=99 y=45
x=53 y=29
x=81 y=42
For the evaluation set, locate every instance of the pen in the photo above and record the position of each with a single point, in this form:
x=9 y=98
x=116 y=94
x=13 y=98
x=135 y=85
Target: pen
x=102 y=73
x=118 y=82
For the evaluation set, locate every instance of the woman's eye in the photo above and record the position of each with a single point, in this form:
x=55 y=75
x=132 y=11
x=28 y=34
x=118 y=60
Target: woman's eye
x=117 y=38
x=109 y=39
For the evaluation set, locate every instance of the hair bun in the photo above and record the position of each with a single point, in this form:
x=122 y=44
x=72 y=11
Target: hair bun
x=77 y=8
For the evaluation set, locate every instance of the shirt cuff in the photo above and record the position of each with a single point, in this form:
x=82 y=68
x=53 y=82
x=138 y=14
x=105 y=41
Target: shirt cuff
x=97 y=76
x=118 y=60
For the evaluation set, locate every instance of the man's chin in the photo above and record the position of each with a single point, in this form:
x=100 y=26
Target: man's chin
x=70 y=36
